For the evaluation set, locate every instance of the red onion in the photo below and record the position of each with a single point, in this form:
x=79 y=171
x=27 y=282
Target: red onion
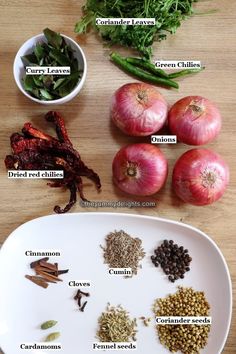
x=138 y=109
x=140 y=169
x=195 y=120
x=200 y=176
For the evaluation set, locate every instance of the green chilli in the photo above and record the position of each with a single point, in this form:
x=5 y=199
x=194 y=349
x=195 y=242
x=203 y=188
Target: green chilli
x=141 y=74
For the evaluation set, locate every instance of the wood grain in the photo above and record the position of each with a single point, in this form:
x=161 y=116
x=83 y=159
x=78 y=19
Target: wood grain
x=209 y=38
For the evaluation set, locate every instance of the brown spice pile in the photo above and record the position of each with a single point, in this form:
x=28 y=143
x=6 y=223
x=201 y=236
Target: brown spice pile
x=45 y=272
x=78 y=298
x=187 y=339
x=123 y=251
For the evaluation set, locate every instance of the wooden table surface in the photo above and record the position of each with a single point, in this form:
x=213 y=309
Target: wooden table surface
x=209 y=38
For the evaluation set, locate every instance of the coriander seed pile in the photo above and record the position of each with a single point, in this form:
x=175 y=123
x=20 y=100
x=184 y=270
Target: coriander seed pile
x=115 y=325
x=187 y=339
x=123 y=251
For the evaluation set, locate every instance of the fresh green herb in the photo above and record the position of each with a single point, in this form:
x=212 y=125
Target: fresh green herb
x=141 y=74
x=53 y=336
x=168 y=14
x=48 y=324
x=56 y=52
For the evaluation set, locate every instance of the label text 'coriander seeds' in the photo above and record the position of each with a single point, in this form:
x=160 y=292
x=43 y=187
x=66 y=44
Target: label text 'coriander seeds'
x=186 y=320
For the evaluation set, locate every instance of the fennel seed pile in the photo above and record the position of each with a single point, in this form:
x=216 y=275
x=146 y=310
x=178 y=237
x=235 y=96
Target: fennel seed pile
x=188 y=339
x=123 y=251
x=115 y=325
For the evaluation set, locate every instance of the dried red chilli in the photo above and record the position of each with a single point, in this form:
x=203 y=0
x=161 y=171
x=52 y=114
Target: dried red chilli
x=36 y=150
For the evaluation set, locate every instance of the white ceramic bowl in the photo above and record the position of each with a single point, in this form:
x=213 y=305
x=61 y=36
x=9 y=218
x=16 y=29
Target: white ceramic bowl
x=27 y=48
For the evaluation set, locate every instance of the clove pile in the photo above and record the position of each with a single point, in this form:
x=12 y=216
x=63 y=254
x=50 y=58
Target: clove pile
x=78 y=297
x=45 y=272
x=36 y=150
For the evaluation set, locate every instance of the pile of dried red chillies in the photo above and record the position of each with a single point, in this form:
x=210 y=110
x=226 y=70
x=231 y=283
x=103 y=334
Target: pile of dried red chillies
x=35 y=150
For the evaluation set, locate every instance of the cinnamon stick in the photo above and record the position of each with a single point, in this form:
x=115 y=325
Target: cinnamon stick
x=37 y=280
x=34 y=264
x=47 y=275
x=45 y=270
x=48 y=265
x=63 y=271
x=56 y=264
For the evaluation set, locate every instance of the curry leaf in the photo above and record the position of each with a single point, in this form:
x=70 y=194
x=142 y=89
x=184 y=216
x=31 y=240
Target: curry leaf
x=39 y=52
x=29 y=59
x=46 y=95
x=53 y=38
x=58 y=83
x=29 y=83
x=59 y=57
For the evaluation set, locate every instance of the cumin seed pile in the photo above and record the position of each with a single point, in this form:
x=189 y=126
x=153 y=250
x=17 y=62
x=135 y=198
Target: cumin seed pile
x=115 y=325
x=123 y=251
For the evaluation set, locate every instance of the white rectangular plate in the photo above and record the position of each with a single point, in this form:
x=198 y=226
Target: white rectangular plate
x=24 y=305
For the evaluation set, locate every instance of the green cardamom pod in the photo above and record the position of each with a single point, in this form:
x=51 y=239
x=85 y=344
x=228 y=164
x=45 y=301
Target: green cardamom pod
x=48 y=324
x=52 y=336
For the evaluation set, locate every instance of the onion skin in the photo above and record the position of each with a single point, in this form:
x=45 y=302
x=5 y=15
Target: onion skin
x=200 y=177
x=140 y=169
x=138 y=109
x=194 y=120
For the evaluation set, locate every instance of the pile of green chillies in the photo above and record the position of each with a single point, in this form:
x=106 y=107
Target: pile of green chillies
x=143 y=69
